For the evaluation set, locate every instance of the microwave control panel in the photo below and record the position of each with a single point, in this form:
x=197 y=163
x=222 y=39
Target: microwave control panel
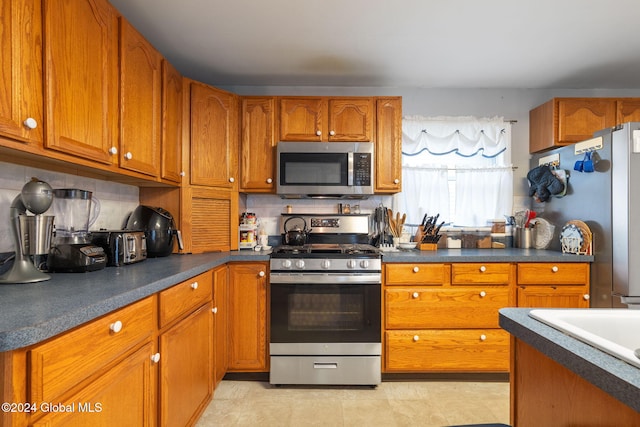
x=362 y=169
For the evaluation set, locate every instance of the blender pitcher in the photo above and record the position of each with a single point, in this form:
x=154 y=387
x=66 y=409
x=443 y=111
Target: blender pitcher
x=75 y=211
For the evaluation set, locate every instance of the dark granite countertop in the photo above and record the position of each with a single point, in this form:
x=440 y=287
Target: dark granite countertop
x=483 y=255
x=33 y=312
x=30 y=313
x=616 y=377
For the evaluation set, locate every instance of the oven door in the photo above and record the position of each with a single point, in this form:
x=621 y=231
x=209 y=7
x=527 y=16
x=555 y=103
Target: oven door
x=325 y=313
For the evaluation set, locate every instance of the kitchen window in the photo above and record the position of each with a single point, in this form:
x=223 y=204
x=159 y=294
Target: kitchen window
x=459 y=167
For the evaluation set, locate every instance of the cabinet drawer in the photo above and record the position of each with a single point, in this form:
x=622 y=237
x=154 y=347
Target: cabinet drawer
x=417 y=274
x=59 y=364
x=185 y=297
x=553 y=274
x=480 y=274
x=444 y=308
x=456 y=350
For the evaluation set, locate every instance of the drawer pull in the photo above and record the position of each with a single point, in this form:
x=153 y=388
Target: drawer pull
x=416 y=338
x=483 y=268
x=483 y=294
x=155 y=358
x=214 y=310
x=415 y=295
x=194 y=285
x=586 y=297
x=483 y=337
x=555 y=269
x=116 y=326
x=416 y=269
x=261 y=274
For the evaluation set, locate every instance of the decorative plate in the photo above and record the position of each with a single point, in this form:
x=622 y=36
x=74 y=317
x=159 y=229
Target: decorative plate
x=544 y=233
x=587 y=236
x=571 y=239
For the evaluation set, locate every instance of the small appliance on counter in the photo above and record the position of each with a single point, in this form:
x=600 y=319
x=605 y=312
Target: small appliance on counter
x=121 y=246
x=159 y=228
x=73 y=251
x=31 y=233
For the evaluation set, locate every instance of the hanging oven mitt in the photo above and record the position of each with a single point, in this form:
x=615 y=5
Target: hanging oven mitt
x=543 y=183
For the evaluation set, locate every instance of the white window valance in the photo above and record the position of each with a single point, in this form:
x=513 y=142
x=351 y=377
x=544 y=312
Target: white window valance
x=465 y=136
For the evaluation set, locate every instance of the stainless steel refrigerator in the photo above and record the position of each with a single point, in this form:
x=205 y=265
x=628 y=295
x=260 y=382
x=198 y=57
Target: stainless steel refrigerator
x=608 y=201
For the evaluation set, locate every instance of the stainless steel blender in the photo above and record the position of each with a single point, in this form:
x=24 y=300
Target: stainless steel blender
x=72 y=249
x=31 y=233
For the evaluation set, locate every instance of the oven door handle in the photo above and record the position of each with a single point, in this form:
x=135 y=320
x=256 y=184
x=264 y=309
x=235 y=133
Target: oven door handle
x=326 y=278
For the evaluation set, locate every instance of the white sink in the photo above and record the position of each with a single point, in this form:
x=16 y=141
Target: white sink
x=613 y=330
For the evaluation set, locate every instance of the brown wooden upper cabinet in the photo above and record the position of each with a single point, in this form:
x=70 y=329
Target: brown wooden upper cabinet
x=258 y=144
x=564 y=121
x=388 y=150
x=327 y=119
x=81 y=79
x=214 y=137
x=140 y=102
x=21 y=63
x=172 y=96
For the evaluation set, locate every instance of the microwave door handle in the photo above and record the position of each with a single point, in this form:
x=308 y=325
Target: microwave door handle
x=350 y=170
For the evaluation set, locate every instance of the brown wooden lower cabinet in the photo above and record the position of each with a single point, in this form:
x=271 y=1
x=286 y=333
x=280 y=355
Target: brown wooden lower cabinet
x=248 y=336
x=221 y=313
x=545 y=393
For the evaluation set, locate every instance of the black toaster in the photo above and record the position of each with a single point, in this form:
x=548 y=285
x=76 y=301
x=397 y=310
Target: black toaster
x=121 y=246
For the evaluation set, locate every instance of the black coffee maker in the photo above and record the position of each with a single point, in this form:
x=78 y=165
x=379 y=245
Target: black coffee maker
x=159 y=227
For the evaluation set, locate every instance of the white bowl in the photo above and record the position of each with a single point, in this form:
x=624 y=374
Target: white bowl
x=266 y=248
x=407 y=245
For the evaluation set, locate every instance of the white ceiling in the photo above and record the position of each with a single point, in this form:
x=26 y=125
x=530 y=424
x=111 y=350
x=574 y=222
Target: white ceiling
x=571 y=44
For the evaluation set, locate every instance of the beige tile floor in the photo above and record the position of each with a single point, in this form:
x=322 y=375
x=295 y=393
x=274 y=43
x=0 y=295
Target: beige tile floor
x=415 y=403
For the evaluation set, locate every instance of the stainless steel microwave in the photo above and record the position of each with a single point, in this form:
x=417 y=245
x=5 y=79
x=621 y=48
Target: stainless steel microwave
x=325 y=169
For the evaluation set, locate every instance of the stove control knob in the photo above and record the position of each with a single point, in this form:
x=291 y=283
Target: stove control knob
x=325 y=264
x=300 y=264
x=286 y=263
x=352 y=263
x=364 y=263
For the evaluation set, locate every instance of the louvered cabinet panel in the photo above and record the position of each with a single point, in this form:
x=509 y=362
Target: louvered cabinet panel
x=208 y=220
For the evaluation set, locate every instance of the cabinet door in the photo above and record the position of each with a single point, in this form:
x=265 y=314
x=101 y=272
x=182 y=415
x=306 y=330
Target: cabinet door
x=553 y=296
x=221 y=312
x=81 y=78
x=21 y=66
x=388 y=150
x=258 y=145
x=579 y=118
x=248 y=317
x=186 y=383
x=351 y=119
x=209 y=219
x=124 y=396
x=172 y=94
x=628 y=110
x=214 y=137
x=303 y=119
x=140 y=102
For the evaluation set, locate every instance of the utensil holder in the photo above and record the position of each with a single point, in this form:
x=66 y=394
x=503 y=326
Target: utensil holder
x=524 y=237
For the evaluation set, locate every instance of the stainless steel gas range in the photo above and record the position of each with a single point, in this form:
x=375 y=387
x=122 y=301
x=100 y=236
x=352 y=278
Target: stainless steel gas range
x=325 y=306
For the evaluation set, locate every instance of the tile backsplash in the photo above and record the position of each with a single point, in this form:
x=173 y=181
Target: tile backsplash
x=116 y=200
